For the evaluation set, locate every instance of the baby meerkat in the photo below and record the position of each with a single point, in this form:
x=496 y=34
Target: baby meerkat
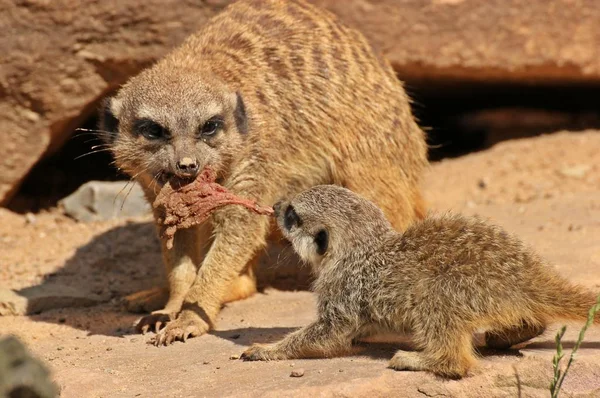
x=276 y=97
x=441 y=280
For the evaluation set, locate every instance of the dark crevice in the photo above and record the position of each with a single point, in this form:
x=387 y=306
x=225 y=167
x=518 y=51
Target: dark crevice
x=466 y=117
x=61 y=173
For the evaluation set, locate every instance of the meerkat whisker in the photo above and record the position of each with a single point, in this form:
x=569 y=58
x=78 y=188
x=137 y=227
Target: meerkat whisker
x=91 y=153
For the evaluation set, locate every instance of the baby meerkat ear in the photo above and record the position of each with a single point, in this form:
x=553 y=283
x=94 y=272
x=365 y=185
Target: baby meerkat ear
x=322 y=242
x=108 y=122
x=241 y=120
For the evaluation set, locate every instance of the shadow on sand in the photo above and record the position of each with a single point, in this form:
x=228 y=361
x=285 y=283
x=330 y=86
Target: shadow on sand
x=90 y=287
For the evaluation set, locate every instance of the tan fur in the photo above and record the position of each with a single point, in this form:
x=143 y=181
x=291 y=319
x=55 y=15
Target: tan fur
x=441 y=280
x=320 y=107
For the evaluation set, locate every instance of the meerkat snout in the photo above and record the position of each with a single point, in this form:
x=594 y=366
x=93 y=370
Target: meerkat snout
x=277 y=208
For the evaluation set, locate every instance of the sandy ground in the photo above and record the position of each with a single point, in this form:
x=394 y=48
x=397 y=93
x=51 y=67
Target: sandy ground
x=545 y=189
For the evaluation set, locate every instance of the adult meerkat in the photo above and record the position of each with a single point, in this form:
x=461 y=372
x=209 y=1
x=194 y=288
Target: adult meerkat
x=276 y=97
x=440 y=280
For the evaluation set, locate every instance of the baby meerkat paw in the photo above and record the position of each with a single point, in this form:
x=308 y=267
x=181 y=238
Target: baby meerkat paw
x=158 y=319
x=406 y=360
x=262 y=352
x=187 y=325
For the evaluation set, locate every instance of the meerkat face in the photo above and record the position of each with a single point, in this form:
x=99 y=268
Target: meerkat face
x=329 y=221
x=171 y=123
x=310 y=242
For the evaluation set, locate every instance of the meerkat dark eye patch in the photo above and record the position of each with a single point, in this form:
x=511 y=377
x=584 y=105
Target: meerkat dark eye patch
x=241 y=120
x=211 y=127
x=322 y=241
x=149 y=129
x=107 y=123
x=291 y=218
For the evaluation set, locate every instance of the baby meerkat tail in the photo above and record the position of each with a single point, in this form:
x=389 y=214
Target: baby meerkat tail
x=569 y=302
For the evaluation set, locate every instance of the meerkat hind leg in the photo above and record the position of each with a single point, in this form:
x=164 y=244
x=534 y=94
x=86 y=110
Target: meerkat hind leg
x=242 y=287
x=448 y=355
x=503 y=339
x=147 y=300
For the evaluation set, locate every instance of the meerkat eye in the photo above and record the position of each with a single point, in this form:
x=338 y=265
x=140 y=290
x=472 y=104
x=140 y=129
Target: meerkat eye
x=211 y=127
x=291 y=218
x=149 y=129
x=322 y=241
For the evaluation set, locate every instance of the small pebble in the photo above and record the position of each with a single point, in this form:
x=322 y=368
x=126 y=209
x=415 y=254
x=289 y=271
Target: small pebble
x=235 y=356
x=60 y=348
x=30 y=218
x=297 y=373
x=205 y=363
x=108 y=348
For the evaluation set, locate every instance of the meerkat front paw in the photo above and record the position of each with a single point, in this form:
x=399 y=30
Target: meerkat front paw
x=158 y=319
x=187 y=325
x=263 y=352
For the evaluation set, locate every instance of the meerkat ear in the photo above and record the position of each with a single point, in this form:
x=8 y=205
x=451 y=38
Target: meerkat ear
x=322 y=241
x=108 y=122
x=241 y=119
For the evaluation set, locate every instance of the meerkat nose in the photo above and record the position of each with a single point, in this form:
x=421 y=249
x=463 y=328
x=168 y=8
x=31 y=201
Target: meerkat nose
x=187 y=167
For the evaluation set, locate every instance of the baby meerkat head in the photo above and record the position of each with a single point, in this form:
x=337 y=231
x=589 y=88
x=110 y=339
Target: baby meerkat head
x=328 y=221
x=173 y=121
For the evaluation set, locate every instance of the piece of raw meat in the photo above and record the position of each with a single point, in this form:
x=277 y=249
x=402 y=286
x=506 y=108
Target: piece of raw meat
x=183 y=206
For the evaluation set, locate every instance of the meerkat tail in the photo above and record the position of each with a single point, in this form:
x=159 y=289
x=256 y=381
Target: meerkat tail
x=571 y=302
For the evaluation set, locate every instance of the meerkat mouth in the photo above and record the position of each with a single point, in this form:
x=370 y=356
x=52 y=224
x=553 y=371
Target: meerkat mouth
x=174 y=179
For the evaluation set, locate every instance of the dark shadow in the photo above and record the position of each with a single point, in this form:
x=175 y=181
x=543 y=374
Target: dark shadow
x=376 y=349
x=87 y=292
x=251 y=335
x=462 y=117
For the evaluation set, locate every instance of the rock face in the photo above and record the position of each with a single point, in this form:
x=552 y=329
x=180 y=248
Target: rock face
x=544 y=41
x=36 y=299
x=60 y=57
x=106 y=200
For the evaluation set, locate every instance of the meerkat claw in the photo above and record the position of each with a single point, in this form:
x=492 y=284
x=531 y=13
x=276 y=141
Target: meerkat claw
x=157 y=319
x=181 y=329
